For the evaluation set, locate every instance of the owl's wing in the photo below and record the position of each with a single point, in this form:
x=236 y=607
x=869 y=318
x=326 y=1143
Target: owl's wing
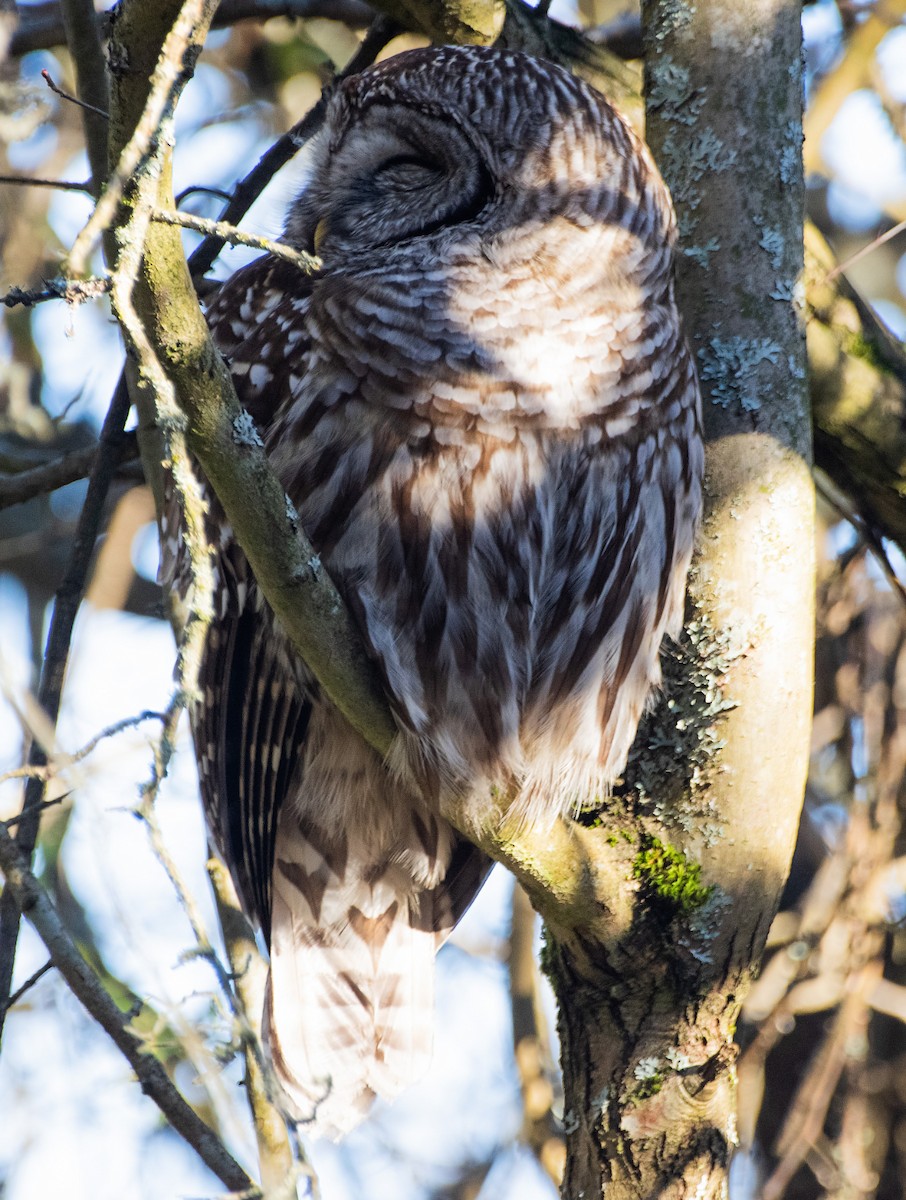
x=354 y=883
x=250 y=724
x=249 y=735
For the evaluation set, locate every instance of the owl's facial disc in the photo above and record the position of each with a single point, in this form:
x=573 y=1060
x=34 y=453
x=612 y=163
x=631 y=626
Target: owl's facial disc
x=393 y=175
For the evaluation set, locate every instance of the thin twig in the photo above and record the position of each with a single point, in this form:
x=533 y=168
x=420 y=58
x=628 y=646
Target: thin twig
x=30 y=898
x=869 y=536
x=869 y=249
x=73 y=291
x=62 y=762
x=250 y=188
x=201 y=189
x=12 y=822
x=48 y=79
x=147 y=814
x=275 y=1155
x=16 y=489
x=236 y=237
x=165 y=84
x=63 y=185
x=29 y=984
x=66 y=606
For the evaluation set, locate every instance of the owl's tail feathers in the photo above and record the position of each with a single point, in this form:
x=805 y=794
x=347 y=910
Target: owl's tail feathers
x=350 y=1008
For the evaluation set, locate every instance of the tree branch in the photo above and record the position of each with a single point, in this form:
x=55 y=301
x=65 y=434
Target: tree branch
x=16 y=489
x=462 y=21
x=275 y=1156
x=84 y=43
x=66 y=605
x=250 y=188
x=224 y=232
x=30 y=898
x=72 y=291
x=857 y=383
x=41 y=26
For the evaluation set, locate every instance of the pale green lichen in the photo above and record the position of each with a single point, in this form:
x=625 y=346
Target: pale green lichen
x=671 y=91
x=244 y=431
x=730 y=365
x=677 y=1059
x=701 y=255
x=791 y=154
x=704 y=925
x=773 y=244
x=796 y=367
x=673 y=16
x=679 y=738
x=685 y=162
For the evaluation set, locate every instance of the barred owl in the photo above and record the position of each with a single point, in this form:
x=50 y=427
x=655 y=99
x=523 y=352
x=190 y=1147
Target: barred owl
x=484 y=410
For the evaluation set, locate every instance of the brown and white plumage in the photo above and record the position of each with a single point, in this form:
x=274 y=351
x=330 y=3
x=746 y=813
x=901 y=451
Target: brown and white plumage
x=485 y=413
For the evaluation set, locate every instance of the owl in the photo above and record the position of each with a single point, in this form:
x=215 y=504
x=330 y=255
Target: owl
x=484 y=410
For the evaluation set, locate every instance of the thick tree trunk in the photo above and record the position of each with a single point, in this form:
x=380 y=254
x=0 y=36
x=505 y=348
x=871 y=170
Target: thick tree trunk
x=649 y=993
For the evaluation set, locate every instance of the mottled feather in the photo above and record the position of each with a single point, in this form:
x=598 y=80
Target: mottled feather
x=486 y=415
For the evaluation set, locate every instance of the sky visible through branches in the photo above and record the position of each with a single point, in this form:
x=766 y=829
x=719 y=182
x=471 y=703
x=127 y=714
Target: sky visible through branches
x=67 y=1097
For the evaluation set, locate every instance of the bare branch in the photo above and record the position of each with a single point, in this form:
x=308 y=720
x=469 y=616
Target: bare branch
x=27 y=813
x=236 y=237
x=873 y=245
x=70 y=99
x=66 y=606
x=73 y=291
x=530 y=1047
x=29 y=898
x=868 y=533
x=83 y=41
x=478 y=22
x=29 y=984
x=146 y=812
x=63 y=185
x=41 y=27
x=16 y=489
x=277 y=1168
x=63 y=761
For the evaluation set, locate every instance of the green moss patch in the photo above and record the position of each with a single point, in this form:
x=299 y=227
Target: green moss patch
x=670 y=881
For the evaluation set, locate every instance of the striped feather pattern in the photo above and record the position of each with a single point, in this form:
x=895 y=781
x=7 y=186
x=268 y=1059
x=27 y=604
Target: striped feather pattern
x=486 y=415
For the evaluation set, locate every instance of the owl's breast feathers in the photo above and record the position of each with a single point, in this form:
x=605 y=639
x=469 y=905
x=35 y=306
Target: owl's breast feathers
x=505 y=494
x=487 y=418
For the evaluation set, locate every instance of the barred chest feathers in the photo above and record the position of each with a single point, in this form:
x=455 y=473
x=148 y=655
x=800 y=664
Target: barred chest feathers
x=486 y=415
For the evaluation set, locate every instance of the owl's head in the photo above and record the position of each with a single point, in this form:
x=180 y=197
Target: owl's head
x=473 y=148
